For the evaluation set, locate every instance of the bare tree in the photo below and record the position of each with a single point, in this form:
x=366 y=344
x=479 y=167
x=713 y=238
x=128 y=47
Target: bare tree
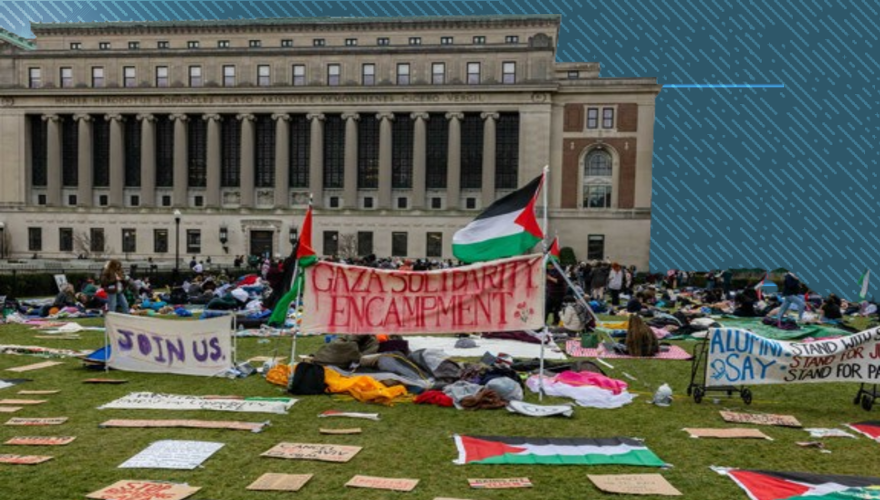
x=82 y=244
x=348 y=246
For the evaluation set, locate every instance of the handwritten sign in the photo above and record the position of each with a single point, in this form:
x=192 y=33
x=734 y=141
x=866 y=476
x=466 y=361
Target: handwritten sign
x=23 y=459
x=730 y=433
x=60 y=281
x=172 y=454
x=280 y=482
x=154 y=401
x=760 y=419
x=634 y=484
x=35 y=366
x=189 y=424
x=740 y=357
x=382 y=483
x=41 y=441
x=503 y=295
x=500 y=483
x=37 y=421
x=143 y=490
x=149 y=345
x=320 y=452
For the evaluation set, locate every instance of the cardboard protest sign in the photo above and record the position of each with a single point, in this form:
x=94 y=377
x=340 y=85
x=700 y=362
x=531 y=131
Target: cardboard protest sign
x=37 y=393
x=349 y=414
x=740 y=357
x=153 y=401
x=172 y=454
x=35 y=366
x=354 y=430
x=760 y=419
x=190 y=424
x=320 y=452
x=150 y=345
x=41 y=441
x=60 y=281
x=143 y=490
x=731 y=433
x=22 y=401
x=500 y=483
x=37 y=421
x=23 y=459
x=280 y=482
x=382 y=483
x=9 y=409
x=826 y=433
x=501 y=295
x=634 y=484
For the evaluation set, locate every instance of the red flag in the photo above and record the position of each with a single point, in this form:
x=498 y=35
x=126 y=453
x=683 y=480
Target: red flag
x=305 y=254
x=554 y=248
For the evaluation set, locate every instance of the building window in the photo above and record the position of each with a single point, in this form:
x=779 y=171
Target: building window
x=446 y=40
x=334 y=151
x=383 y=41
x=264 y=162
x=97 y=77
x=223 y=44
x=129 y=76
x=470 y=203
x=160 y=241
x=473 y=73
x=229 y=76
x=403 y=74
x=365 y=243
x=368 y=152
x=195 y=76
x=402 y=202
x=163 y=45
x=134 y=45
x=96 y=240
x=507 y=151
x=479 y=40
x=592 y=117
x=135 y=200
x=66 y=78
x=402 y=137
x=194 y=241
x=197 y=152
x=436 y=203
x=100 y=152
x=72 y=200
x=434 y=245
x=129 y=241
x=607 y=117
x=508 y=72
x=511 y=39
x=398 y=244
x=368 y=202
x=597 y=179
x=596 y=247
x=351 y=42
x=438 y=73
x=69 y=152
x=287 y=43
x=102 y=200
x=299 y=74
x=161 y=76
x=437 y=154
x=35 y=80
x=333 y=71
x=574 y=75
x=472 y=151
x=35 y=239
x=415 y=40
x=255 y=44
x=318 y=42
x=334 y=202
x=164 y=143
x=300 y=144
x=230 y=151
x=264 y=75
x=38 y=129
x=65 y=239
x=41 y=199
x=331 y=242
x=132 y=152
x=75 y=46
x=104 y=45
x=192 y=44
x=199 y=201
x=368 y=74
x=166 y=200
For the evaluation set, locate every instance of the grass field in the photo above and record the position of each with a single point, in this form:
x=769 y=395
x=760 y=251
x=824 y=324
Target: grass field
x=410 y=441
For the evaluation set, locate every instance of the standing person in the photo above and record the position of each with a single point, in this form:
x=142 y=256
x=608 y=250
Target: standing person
x=726 y=278
x=597 y=282
x=628 y=281
x=791 y=291
x=615 y=283
x=710 y=280
x=555 y=292
x=114 y=283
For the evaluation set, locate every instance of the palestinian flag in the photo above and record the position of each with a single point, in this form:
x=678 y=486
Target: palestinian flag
x=770 y=485
x=870 y=429
x=554 y=249
x=553 y=451
x=506 y=229
x=863 y=284
x=304 y=256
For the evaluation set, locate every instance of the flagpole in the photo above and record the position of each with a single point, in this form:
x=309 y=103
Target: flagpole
x=544 y=278
x=293 y=283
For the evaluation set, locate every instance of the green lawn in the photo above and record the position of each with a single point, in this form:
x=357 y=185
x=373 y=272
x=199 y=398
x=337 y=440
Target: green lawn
x=410 y=441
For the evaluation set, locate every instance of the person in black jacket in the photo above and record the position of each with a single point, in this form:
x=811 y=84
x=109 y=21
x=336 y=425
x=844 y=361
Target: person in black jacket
x=791 y=292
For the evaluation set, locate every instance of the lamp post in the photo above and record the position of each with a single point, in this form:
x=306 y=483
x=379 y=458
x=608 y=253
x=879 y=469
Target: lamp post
x=177 y=246
x=294 y=236
x=224 y=238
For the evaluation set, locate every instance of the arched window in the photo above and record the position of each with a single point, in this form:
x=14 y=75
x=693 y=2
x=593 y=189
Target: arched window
x=597 y=179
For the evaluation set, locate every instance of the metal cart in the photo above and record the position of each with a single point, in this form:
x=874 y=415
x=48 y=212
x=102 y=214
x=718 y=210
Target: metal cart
x=697 y=387
x=866 y=397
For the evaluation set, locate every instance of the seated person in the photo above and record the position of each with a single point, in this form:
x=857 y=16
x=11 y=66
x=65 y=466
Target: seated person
x=573 y=316
x=65 y=298
x=635 y=304
x=830 y=309
x=745 y=303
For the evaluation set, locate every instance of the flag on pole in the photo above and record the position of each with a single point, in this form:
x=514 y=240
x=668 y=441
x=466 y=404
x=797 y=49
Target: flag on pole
x=863 y=283
x=554 y=249
x=304 y=256
x=506 y=229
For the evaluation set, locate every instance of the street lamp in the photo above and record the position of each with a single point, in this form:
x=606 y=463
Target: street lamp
x=224 y=238
x=177 y=245
x=294 y=234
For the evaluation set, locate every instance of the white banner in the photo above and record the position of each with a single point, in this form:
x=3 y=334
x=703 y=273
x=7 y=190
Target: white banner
x=140 y=344
x=740 y=357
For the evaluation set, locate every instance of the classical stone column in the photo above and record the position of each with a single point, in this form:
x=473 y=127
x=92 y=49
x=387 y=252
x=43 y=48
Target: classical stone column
x=385 y=159
x=248 y=174
x=212 y=184
x=316 y=159
x=489 y=144
x=117 y=159
x=282 y=160
x=84 y=160
x=420 y=151
x=148 y=160
x=53 y=160
x=181 y=163
x=453 y=162
x=350 y=180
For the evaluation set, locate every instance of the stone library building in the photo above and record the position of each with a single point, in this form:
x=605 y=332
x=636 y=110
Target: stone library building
x=125 y=139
